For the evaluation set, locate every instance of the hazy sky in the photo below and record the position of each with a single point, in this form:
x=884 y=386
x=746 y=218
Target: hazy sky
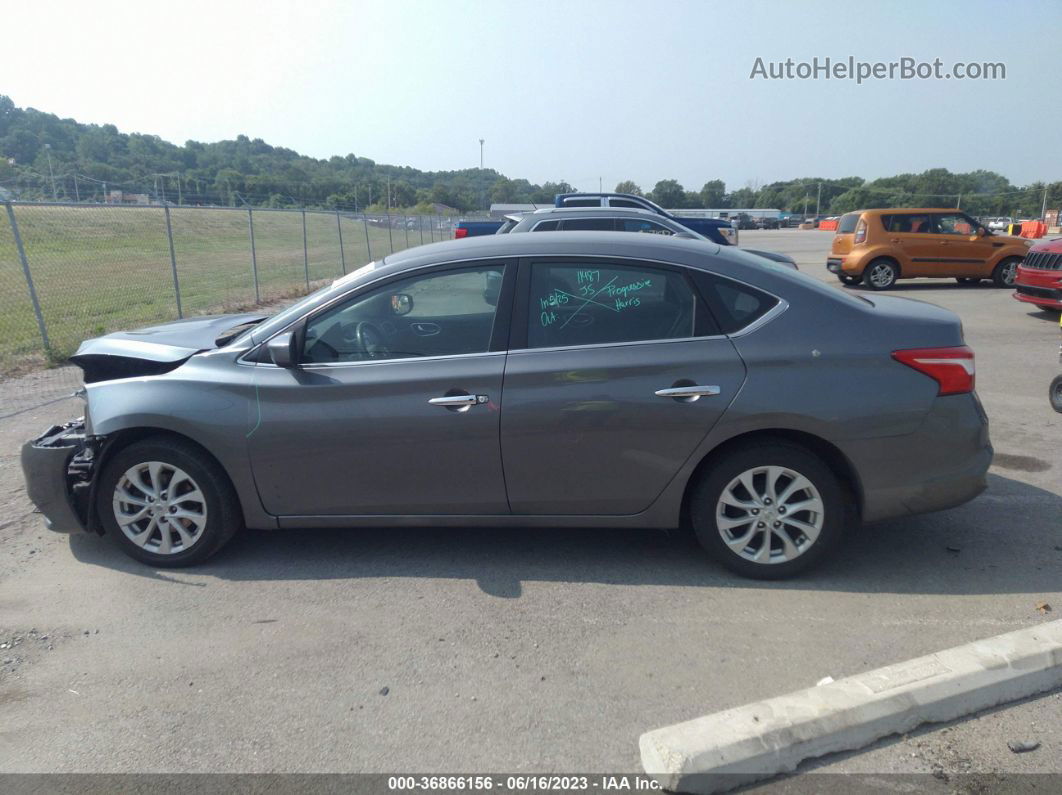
x=570 y=90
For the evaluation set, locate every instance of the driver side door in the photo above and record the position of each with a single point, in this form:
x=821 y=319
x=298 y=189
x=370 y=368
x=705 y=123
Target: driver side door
x=394 y=407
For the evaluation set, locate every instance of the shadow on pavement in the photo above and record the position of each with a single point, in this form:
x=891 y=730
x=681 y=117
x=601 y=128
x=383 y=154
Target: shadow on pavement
x=1007 y=540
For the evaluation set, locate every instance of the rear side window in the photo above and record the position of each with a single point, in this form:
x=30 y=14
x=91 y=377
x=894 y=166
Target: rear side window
x=626 y=203
x=907 y=223
x=640 y=225
x=734 y=305
x=588 y=225
x=582 y=202
x=847 y=224
x=579 y=304
x=546 y=226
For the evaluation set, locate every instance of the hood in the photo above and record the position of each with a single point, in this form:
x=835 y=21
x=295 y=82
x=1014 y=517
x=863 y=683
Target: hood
x=1053 y=245
x=155 y=349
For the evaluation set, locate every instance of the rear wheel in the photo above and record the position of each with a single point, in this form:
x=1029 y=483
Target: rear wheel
x=768 y=511
x=1006 y=272
x=166 y=503
x=1056 y=393
x=881 y=274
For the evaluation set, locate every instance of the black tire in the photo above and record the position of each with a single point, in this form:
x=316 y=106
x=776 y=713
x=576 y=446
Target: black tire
x=1056 y=393
x=881 y=274
x=849 y=279
x=705 y=505
x=219 y=503
x=1005 y=272
x=967 y=280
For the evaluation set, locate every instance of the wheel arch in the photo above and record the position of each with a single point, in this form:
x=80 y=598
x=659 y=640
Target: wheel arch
x=121 y=439
x=830 y=454
x=891 y=258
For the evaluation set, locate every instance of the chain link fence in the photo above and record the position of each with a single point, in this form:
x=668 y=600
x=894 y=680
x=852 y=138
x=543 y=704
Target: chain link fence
x=73 y=271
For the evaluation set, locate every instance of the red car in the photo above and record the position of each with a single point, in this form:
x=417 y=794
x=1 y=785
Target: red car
x=1039 y=279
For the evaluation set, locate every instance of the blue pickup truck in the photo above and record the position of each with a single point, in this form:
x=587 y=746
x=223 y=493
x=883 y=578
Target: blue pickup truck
x=715 y=229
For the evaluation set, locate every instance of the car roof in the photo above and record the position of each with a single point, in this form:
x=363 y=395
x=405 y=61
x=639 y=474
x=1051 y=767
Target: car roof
x=573 y=243
x=909 y=210
x=632 y=211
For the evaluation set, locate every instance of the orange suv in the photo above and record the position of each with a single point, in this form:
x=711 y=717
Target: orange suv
x=877 y=247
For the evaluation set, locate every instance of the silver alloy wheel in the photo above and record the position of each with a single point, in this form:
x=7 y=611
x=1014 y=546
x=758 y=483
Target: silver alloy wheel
x=769 y=514
x=160 y=508
x=881 y=275
x=1010 y=272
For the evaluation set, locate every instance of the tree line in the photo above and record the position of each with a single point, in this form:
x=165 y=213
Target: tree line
x=44 y=157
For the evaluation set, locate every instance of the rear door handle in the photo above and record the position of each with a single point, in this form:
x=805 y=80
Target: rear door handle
x=689 y=392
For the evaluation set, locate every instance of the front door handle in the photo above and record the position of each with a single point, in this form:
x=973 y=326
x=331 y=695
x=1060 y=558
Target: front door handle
x=455 y=401
x=690 y=393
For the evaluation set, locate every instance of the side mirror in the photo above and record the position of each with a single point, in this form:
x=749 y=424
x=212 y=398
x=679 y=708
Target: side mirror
x=401 y=304
x=282 y=350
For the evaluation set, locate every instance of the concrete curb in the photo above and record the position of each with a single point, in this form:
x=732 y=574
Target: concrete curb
x=756 y=741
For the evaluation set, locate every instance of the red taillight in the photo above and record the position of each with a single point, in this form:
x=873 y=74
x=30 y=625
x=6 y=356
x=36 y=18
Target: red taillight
x=460 y=232
x=860 y=231
x=952 y=368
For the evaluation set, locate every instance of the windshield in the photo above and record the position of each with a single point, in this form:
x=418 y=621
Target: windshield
x=295 y=309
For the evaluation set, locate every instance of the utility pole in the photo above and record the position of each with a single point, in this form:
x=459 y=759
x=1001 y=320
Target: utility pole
x=388 y=191
x=599 y=189
x=179 y=196
x=77 y=193
x=105 y=199
x=355 y=198
x=818 y=199
x=1043 y=207
x=482 y=191
x=958 y=202
x=805 y=204
x=48 y=152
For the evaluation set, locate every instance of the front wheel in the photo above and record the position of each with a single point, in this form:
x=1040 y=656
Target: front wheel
x=881 y=274
x=166 y=503
x=1056 y=393
x=769 y=511
x=1006 y=272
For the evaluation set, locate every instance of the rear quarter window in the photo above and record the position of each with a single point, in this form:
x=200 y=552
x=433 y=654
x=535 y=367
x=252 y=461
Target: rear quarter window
x=733 y=304
x=847 y=224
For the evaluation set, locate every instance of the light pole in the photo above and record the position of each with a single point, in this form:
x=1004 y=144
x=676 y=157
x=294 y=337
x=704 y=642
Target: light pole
x=48 y=151
x=482 y=192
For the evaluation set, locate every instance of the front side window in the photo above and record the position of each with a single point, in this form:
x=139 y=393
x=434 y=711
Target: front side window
x=433 y=314
x=580 y=304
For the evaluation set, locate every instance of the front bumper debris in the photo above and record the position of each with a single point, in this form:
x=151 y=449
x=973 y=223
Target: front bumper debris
x=58 y=466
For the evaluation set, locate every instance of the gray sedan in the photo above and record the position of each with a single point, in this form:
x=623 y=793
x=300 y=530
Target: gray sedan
x=575 y=379
x=614 y=219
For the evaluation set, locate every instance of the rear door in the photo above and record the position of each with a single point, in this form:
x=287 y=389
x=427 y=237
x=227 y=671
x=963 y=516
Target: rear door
x=589 y=425
x=915 y=243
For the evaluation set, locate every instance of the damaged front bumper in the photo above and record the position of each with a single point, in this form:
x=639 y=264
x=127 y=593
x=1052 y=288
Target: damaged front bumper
x=58 y=466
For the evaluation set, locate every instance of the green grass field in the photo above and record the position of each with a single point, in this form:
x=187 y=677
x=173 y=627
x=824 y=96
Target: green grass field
x=99 y=269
